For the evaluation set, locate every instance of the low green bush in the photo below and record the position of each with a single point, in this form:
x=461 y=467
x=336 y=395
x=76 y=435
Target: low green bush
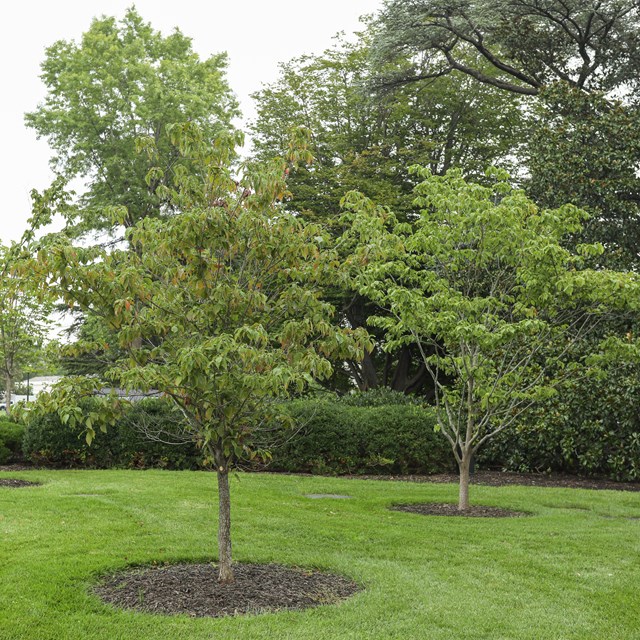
x=350 y=436
x=48 y=442
x=590 y=428
x=11 y=435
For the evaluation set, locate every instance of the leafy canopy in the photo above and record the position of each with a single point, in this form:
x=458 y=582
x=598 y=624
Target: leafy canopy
x=592 y=45
x=365 y=140
x=121 y=83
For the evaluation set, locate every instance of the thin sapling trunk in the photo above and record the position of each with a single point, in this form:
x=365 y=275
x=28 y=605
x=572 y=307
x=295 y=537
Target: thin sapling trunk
x=8 y=393
x=464 y=465
x=225 y=570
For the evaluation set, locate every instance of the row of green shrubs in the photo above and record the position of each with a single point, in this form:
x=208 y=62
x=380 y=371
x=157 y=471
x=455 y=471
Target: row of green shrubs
x=47 y=442
x=332 y=436
x=391 y=435
x=377 y=432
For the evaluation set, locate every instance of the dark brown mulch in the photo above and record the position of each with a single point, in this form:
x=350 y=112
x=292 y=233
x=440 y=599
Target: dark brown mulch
x=445 y=509
x=502 y=478
x=193 y=589
x=16 y=466
x=14 y=482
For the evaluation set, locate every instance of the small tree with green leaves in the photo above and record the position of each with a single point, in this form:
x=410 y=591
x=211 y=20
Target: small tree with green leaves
x=217 y=308
x=24 y=315
x=484 y=286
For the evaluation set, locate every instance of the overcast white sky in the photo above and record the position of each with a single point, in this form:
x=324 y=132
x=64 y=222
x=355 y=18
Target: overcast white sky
x=257 y=34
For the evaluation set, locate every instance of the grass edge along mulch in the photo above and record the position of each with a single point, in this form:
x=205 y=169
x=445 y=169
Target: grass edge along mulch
x=14 y=483
x=449 y=509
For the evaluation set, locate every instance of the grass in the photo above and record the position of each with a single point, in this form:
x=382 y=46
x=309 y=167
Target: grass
x=570 y=571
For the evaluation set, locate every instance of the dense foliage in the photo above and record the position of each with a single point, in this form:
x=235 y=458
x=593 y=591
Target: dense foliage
x=591 y=427
x=585 y=149
x=361 y=435
x=368 y=433
x=365 y=139
x=11 y=436
x=129 y=443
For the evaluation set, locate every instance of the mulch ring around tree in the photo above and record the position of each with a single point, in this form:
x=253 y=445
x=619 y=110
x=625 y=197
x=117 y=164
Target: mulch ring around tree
x=446 y=509
x=194 y=590
x=15 y=483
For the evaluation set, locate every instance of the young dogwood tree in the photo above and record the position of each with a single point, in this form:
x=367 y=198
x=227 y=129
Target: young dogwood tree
x=217 y=308
x=482 y=283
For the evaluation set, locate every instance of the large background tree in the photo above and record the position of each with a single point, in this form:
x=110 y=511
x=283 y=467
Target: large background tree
x=123 y=83
x=591 y=45
x=494 y=302
x=365 y=140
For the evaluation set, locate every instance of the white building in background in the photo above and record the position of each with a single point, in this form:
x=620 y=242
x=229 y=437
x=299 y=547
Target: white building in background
x=37 y=385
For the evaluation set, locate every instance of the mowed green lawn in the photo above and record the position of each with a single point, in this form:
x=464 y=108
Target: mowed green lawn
x=571 y=570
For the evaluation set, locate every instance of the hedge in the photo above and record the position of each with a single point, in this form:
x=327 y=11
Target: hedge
x=48 y=442
x=346 y=436
x=587 y=429
x=376 y=432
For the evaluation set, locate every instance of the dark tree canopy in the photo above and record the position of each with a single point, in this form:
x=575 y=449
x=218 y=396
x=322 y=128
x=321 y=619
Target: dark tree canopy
x=366 y=140
x=585 y=149
x=590 y=44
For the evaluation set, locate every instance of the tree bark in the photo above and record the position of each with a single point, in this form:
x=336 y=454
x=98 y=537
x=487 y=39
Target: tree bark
x=464 y=465
x=8 y=392
x=369 y=374
x=225 y=571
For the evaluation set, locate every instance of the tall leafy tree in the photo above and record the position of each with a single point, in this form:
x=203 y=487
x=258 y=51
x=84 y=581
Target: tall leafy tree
x=494 y=302
x=365 y=140
x=218 y=309
x=591 y=45
x=124 y=83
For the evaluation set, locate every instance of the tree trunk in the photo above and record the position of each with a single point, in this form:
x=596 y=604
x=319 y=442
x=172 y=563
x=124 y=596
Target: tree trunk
x=408 y=377
x=369 y=373
x=8 y=392
x=225 y=573
x=464 y=465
